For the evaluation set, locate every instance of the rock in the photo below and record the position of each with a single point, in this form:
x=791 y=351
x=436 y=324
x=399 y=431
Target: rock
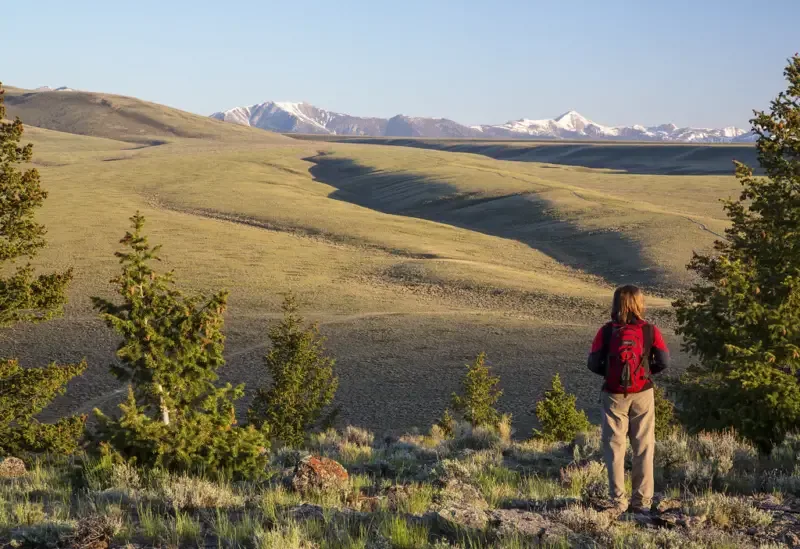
x=320 y=473
x=459 y=505
x=396 y=495
x=379 y=542
x=692 y=522
x=310 y=511
x=644 y=520
x=533 y=527
x=791 y=539
x=456 y=518
x=539 y=506
x=95 y=532
x=454 y=491
x=306 y=511
x=370 y=504
x=668 y=504
x=669 y=519
x=12 y=467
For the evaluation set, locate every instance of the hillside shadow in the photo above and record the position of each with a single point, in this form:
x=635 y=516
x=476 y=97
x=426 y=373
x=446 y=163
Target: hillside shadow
x=644 y=158
x=524 y=217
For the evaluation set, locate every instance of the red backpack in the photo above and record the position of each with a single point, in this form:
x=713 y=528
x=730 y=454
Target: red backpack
x=628 y=364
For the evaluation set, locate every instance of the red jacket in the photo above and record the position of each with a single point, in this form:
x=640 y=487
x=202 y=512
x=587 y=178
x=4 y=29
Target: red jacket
x=598 y=356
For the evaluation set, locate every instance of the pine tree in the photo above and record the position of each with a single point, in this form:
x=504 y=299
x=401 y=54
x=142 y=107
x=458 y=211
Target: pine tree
x=303 y=379
x=742 y=322
x=666 y=422
x=480 y=394
x=24 y=296
x=28 y=297
x=175 y=416
x=559 y=418
x=26 y=392
x=447 y=424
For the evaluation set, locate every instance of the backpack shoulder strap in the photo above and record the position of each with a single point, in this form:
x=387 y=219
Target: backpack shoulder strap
x=648 y=330
x=649 y=334
x=608 y=327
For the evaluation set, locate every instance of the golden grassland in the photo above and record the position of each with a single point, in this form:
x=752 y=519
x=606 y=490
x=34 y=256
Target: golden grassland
x=412 y=260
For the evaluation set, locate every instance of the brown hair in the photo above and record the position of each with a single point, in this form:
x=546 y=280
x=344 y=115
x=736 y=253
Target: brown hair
x=628 y=304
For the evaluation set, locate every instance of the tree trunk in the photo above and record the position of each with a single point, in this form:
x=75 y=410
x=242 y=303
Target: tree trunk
x=164 y=409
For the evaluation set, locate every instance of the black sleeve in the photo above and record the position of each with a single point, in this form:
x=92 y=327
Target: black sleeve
x=659 y=360
x=598 y=360
x=597 y=363
x=659 y=354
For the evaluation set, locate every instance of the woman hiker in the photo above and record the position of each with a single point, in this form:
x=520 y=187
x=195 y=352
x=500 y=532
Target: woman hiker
x=626 y=351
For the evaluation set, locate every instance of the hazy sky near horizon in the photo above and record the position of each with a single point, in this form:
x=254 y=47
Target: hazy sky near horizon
x=618 y=62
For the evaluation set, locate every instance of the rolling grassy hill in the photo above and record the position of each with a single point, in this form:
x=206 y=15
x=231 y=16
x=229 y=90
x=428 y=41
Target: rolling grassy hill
x=631 y=157
x=118 y=117
x=412 y=260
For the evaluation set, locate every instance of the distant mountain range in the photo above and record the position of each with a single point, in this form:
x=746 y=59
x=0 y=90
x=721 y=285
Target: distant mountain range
x=48 y=88
x=288 y=117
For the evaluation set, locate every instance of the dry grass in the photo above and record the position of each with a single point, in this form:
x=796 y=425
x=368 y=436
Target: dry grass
x=122 y=118
x=183 y=492
x=412 y=260
x=728 y=511
x=393 y=508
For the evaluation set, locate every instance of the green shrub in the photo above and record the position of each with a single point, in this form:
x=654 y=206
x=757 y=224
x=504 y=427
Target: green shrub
x=447 y=424
x=403 y=535
x=187 y=528
x=727 y=511
x=666 y=422
x=481 y=437
x=479 y=395
x=303 y=380
x=25 y=393
x=588 y=481
x=742 y=322
x=720 y=460
x=558 y=417
x=27 y=297
x=175 y=417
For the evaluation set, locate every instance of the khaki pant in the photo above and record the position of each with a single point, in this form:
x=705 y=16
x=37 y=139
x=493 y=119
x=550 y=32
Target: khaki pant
x=630 y=416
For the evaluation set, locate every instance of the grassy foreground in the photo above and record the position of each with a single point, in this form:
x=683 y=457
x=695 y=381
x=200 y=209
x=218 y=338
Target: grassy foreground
x=479 y=489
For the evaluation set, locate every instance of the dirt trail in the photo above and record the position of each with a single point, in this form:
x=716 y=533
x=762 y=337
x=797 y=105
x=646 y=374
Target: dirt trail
x=705 y=228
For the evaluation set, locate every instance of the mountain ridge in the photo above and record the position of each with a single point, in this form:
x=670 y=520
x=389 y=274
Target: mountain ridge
x=118 y=117
x=301 y=117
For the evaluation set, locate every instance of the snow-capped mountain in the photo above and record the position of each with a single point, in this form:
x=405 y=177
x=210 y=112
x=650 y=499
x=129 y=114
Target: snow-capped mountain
x=290 y=117
x=49 y=89
x=287 y=117
x=568 y=123
x=573 y=125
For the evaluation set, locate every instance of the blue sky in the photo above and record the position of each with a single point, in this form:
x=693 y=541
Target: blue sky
x=691 y=62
